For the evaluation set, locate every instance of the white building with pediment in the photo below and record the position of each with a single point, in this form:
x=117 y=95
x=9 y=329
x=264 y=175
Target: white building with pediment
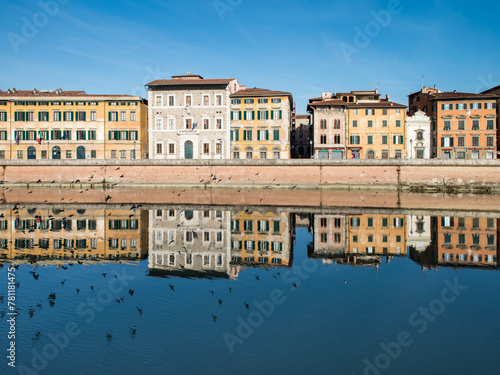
x=189 y=117
x=419 y=136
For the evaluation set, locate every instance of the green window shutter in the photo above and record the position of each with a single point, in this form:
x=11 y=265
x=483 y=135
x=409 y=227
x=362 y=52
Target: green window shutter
x=88 y=135
x=272 y=246
x=109 y=116
x=267 y=115
x=118 y=135
x=232 y=113
x=136 y=135
x=238 y=135
x=281 y=114
x=258 y=228
x=281 y=246
x=394 y=140
x=39 y=116
x=401 y=139
x=258 y=135
x=237 y=225
x=109 y=135
x=244 y=135
x=260 y=242
x=250 y=135
x=276 y=134
x=25 y=136
x=258 y=115
x=276 y=226
x=272 y=115
x=240 y=116
x=267 y=226
x=84 y=116
x=245 y=115
x=84 y=136
x=253 y=115
x=51 y=135
x=232 y=135
x=267 y=135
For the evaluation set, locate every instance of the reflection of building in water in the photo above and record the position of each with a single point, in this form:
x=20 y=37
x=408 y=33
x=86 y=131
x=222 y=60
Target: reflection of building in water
x=66 y=234
x=358 y=239
x=260 y=239
x=418 y=234
x=466 y=241
x=329 y=240
x=189 y=243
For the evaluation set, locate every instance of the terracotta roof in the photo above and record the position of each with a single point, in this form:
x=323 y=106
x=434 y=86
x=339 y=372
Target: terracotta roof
x=190 y=81
x=383 y=104
x=496 y=88
x=35 y=94
x=259 y=92
x=328 y=102
x=315 y=99
x=461 y=95
x=302 y=116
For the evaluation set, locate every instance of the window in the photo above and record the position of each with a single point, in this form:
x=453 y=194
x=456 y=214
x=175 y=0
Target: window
x=93 y=154
x=93 y=116
x=276 y=100
x=355 y=222
x=123 y=154
x=20 y=154
x=354 y=123
x=370 y=140
x=218 y=123
x=206 y=123
x=385 y=154
x=385 y=139
x=235 y=101
x=158 y=101
x=3 y=116
x=80 y=135
x=490 y=141
x=113 y=116
x=189 y=123
x=323 y=222
x=249 y=101
x=420 y=136
x=370 y=222
x=397 y=139
x=369 y=112
x=475 y=124
x=337 y=139
x=276 y=114
x=206 y=148
x=324 y=237
x=188 y=100
x=475 y=141
x=384 y=112
x=370 y=123
x=323 y=124
x=447 y=107
x=490 y=105
x=206 y=100
x=123 y=116
x=322 y=139
x=249 y=155
x=461 y=124
x=159 y=148
x=263 y=155
x=384 y=122
x=490 y=124
x=218 y=100
x=355 y=139
x=236 y=154
x=263 y=101
x=247 y=135
x=235 y=115
x=385 y=222
x=171 y=148
x=447 y=125
x=336 y=124
x=68 y=154
x=476 y=106
x=420 y=154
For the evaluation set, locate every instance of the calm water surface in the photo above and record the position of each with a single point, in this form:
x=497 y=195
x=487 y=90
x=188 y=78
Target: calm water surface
x=181 y=291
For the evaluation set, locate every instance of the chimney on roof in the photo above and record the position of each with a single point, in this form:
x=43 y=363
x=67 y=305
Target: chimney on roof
x=14 y=90
x=243 y=87
x=189 y=73
x=425 y=88
x=326 y=95
x=435 y=86
x=454 y=91
x=9 y=91
x=35 y=91
x=388 y=98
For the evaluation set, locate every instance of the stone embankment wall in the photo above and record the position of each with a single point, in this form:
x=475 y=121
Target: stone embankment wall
x=481 y=176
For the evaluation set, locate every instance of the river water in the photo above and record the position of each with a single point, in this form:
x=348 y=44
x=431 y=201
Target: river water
x=256 y=290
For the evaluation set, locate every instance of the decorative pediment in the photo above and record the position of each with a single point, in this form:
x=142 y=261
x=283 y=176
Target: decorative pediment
x=461 y=117
x=490 y=116
x=476 y=117
x=447 y=117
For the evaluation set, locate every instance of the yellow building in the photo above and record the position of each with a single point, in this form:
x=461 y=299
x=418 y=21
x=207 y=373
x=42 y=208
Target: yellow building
x=71 y=125
x=260 y=124
x=261 y=239
x=68 y=235
x=376 y=128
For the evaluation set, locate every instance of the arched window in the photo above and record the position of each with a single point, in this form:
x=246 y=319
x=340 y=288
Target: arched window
x=370 y=154
x=323 y=124
x=249 y=152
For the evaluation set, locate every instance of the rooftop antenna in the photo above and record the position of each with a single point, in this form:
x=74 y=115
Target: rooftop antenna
x=378 y=83
x=423 y=81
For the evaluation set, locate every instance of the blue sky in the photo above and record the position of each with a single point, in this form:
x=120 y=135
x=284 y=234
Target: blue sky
x=115 y=47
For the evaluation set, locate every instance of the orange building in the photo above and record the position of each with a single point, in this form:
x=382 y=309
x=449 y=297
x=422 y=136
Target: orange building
x=463 y=125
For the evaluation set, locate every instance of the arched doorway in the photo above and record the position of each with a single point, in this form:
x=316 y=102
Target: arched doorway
x=31 y=152
x=188 y=150
x=56 y=152
x=80 y=152
x=370 y=154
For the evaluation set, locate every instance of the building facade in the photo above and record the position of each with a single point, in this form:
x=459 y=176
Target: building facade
x=376 y=127
x=72 y=125
x=189 y=117
x=419 y=136
x=329 y=126
x=301 y=137
x=260 y=124
x=464 y=125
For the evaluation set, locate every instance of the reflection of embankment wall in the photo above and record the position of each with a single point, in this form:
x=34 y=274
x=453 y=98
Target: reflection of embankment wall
x=425 y=175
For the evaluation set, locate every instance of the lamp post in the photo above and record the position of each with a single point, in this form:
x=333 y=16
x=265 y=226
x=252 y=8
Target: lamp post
x=411 y=148
x=135 y=156
x=311 y=148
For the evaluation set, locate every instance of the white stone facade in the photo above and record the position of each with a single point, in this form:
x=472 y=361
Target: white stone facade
x=189 y=118
x=419 y=137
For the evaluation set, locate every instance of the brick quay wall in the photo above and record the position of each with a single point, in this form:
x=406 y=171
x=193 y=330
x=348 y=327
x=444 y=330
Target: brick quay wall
x=455 y=176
